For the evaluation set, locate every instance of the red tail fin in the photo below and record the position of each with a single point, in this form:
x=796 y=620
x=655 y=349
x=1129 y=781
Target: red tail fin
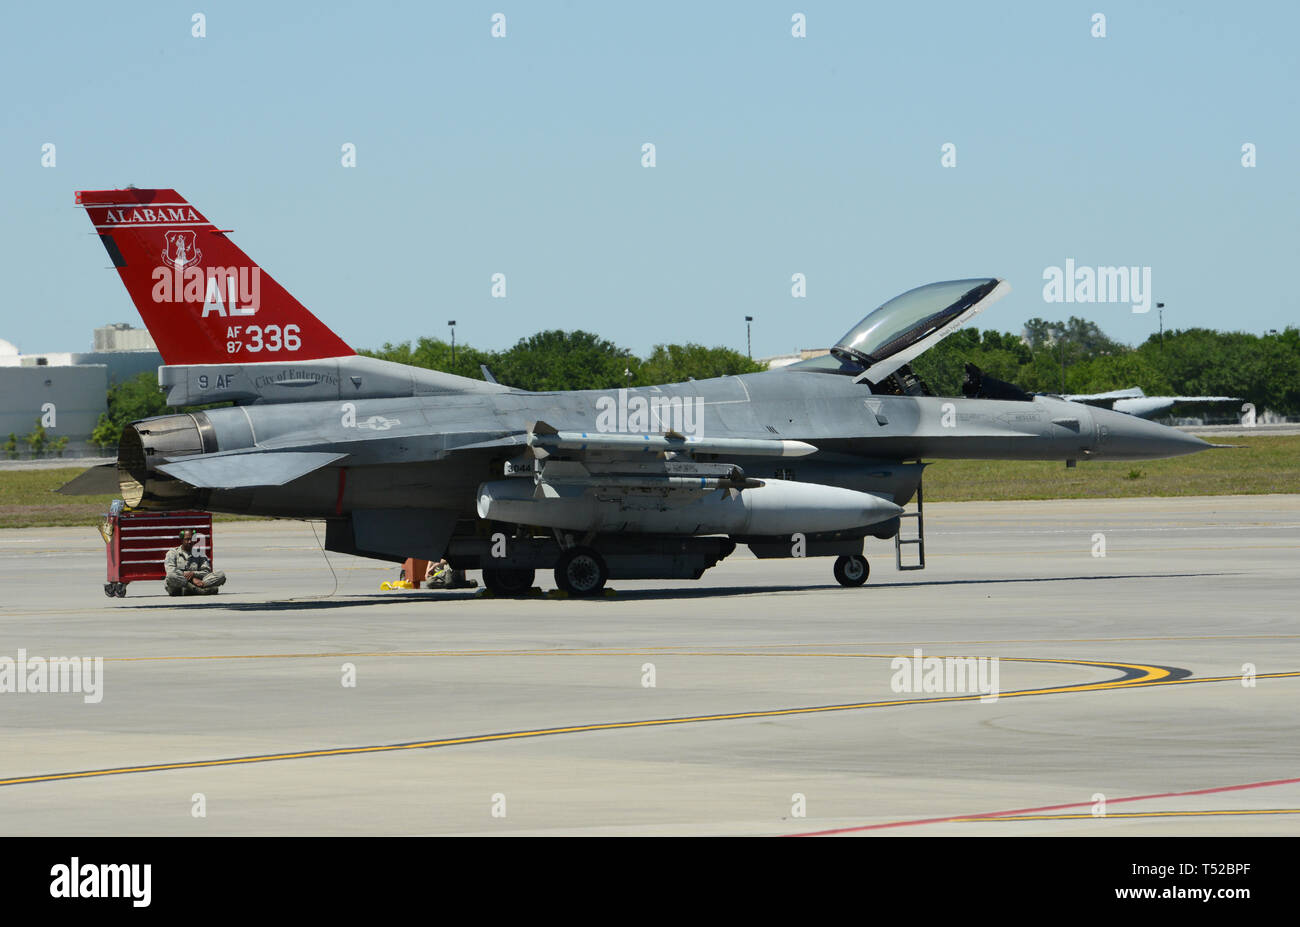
x=203 y=300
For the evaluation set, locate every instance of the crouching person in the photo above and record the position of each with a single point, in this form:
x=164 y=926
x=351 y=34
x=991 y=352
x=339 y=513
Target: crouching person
x=188 y=571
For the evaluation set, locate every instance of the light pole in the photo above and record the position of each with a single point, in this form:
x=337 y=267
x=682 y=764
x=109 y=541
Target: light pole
x=452 y=325
x=1058 y=336
x=749 y=341
x=1160 y=311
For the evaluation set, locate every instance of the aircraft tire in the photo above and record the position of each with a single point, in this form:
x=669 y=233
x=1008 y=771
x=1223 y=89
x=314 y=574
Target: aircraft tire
x=581 y=571
x=508 y=582
x=852 y=571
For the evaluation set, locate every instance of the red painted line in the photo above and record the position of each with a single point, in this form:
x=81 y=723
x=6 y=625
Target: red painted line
x=1017 y=811
x=343 y=482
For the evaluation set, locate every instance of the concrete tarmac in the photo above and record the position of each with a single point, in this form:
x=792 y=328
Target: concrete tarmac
x=775 y=707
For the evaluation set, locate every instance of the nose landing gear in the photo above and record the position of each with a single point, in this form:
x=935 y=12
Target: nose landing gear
x=851 y=571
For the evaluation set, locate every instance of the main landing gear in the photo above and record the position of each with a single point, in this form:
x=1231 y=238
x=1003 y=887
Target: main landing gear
x=851 y=571
x=581 y=571
x=508 y=582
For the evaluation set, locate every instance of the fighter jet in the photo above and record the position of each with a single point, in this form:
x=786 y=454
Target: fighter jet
x=1135 y=402
x=658 y=482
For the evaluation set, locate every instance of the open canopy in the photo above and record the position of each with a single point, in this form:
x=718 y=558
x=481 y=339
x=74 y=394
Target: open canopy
x=908 y=325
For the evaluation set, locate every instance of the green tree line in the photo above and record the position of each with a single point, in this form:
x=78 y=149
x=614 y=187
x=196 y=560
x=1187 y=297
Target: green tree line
x=1074 y=356
x=1077 y=357
x=549 y=360
x=558 y=360
x=1050 y=357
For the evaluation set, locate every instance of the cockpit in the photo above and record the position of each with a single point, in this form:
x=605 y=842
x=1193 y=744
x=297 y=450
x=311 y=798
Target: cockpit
x=879 y=348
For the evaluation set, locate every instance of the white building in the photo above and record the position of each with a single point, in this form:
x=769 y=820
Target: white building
x=65 y=392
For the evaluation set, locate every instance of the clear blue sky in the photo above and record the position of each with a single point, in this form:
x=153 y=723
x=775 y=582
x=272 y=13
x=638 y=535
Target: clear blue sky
x=775 y=155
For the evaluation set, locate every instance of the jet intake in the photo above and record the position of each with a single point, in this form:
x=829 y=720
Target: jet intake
x=153 y=441
x=777 y=507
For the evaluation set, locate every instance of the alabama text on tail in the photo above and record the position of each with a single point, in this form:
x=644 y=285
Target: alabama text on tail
x=202 y=298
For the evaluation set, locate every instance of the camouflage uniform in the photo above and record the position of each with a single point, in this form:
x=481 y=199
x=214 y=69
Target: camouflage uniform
x=178 y=563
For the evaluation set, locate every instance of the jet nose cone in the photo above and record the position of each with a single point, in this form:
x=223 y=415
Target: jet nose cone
x=1127 y=437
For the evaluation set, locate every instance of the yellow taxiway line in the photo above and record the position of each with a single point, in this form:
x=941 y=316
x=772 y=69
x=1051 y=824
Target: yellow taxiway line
x=1133 y=675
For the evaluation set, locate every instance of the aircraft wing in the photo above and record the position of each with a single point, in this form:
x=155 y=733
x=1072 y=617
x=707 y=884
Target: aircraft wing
x=1134 y=401
x=542 y=440
x=1136 y=393
x=545 y=440
x=1131 y=393
x=1148 y=406
x=563 y=463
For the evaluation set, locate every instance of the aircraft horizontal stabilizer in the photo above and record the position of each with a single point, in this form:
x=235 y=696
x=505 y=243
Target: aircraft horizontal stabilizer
x=237 y=471
x=96 y=481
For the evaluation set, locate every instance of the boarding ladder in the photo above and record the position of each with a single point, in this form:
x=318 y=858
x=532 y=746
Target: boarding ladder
x=918 y=540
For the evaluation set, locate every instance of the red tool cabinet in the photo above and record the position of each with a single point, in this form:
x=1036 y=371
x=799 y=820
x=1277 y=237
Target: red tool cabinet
x=137 y=542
